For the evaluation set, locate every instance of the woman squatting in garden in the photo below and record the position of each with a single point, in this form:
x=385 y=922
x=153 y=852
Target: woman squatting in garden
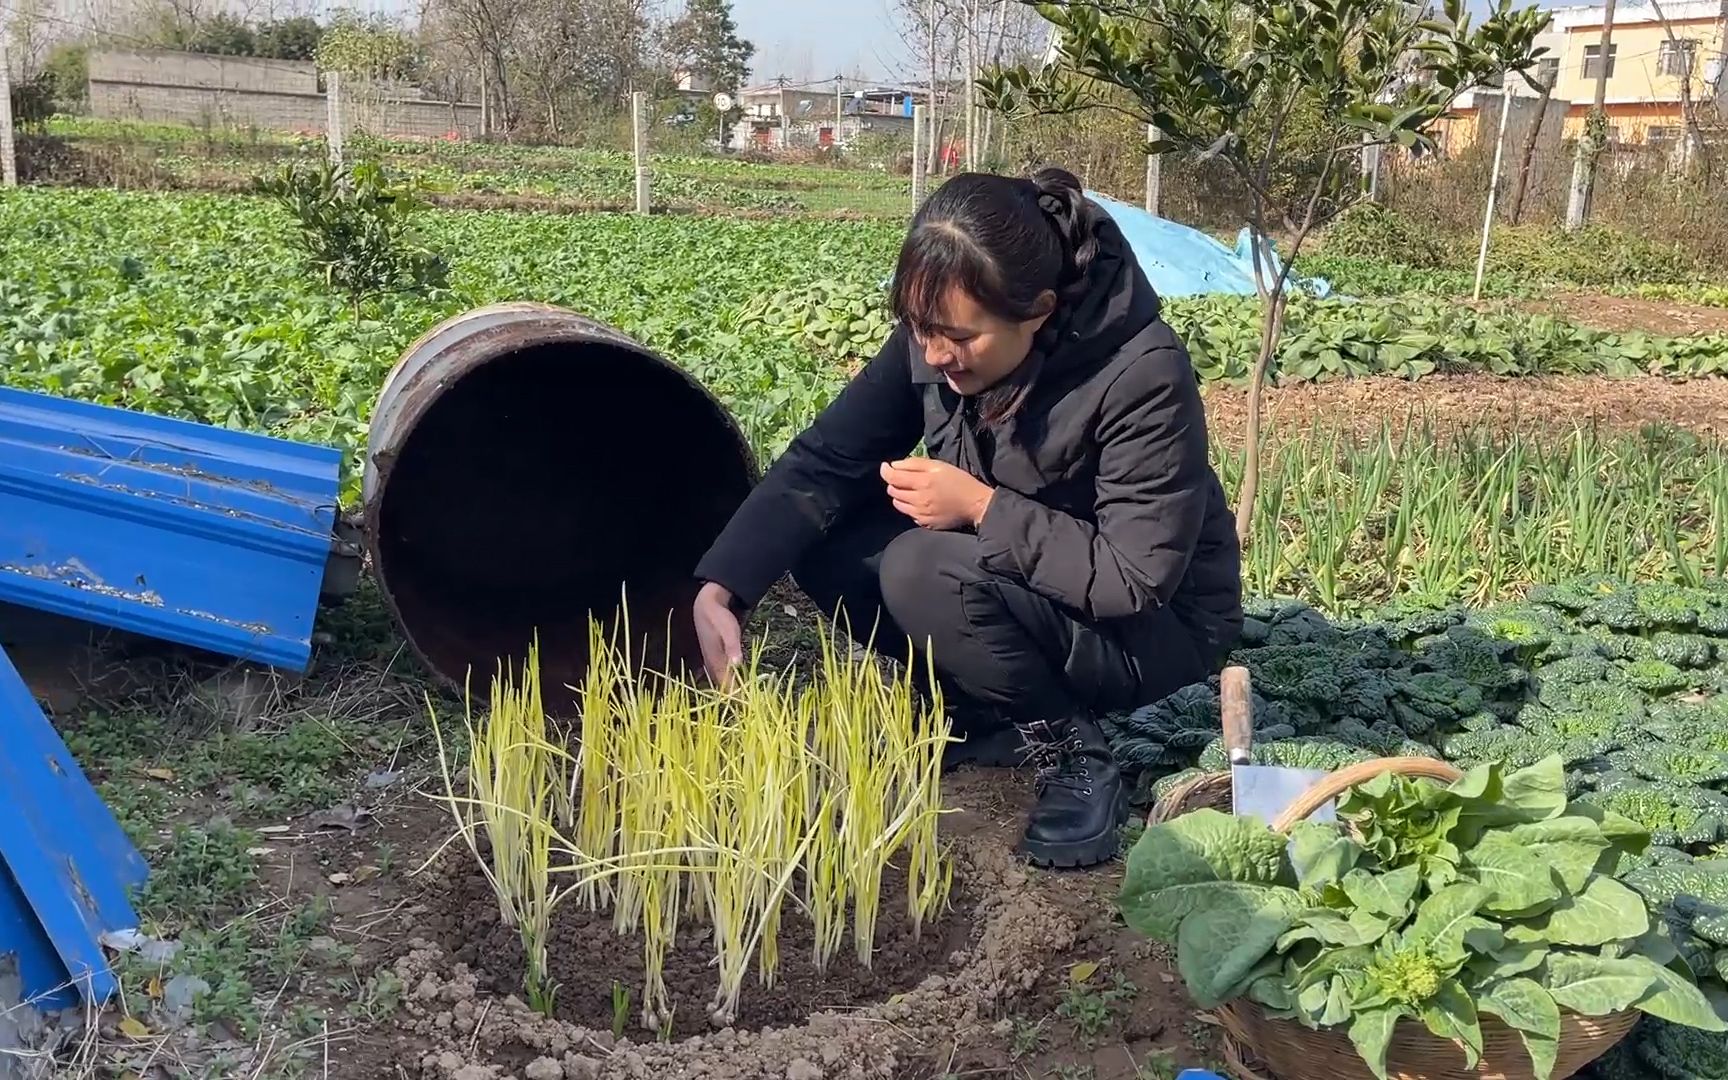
x=1063 y=551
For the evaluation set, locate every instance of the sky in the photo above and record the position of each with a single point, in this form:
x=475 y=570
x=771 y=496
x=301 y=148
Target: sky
x=818 y=39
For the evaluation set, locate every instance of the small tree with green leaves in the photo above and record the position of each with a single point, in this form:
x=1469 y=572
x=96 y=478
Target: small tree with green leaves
x=1228 y=79
x=356 y=230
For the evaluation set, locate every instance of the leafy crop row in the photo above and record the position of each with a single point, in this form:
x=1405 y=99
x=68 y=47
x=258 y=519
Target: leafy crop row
x=1338 y=338
x=1627 y=684
x=1412 y=337
x=195 y=158
x=195 y=306
x=1360 y=276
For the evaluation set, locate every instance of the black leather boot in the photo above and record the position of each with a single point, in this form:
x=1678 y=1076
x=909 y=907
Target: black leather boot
x=1082 y=801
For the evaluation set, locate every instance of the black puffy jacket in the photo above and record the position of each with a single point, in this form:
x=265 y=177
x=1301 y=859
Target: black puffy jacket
x=1105 y=501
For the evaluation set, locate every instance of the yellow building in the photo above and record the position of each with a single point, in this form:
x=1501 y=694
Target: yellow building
x=1648 y=63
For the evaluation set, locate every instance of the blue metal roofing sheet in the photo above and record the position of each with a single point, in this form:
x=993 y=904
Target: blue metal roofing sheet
x=67 y=870
x=213 y=538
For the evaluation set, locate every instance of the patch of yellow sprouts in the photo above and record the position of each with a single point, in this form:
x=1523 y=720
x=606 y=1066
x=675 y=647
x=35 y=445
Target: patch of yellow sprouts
x=689 y=813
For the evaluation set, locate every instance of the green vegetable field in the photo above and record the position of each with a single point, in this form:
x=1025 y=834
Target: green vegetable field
x=1446 y=565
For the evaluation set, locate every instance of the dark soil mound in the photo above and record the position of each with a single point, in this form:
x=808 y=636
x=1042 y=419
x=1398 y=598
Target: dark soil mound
x=588 y=956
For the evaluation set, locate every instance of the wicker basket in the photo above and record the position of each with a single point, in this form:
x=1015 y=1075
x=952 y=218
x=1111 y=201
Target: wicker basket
x=1292 y=1051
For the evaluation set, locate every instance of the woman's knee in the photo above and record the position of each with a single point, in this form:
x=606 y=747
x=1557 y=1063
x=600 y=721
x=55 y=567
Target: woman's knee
x=921 y=577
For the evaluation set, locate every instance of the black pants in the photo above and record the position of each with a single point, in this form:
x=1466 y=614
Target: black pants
x=991 y=640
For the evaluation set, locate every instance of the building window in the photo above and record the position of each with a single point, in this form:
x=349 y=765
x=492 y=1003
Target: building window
x=1676 y=57
x=1547 y=71
x=1661 y=135
x=1593 y=60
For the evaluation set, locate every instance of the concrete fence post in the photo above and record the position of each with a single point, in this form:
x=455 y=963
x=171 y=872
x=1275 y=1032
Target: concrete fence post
x=639 y=117
x=1154 y=173
x=333 y=125
x=8 y=148
x=920 y=135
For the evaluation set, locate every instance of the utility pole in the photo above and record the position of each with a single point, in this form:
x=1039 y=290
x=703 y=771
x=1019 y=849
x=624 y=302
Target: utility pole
x=1595 y=128
x=972 y=86
x=931 y=123
x=8 y=150
x=785 y=120
x=839 y=106
x=1371 y=159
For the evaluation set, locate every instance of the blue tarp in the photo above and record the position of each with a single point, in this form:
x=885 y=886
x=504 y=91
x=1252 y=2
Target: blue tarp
x=1181 y=261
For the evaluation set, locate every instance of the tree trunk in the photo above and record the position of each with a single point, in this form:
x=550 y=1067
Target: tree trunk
x=935 y=116
x=1271 y=327
x=993 y=47
x=971 y=85
x=1531 y=138
x=1589 y=153
x=1692 y=140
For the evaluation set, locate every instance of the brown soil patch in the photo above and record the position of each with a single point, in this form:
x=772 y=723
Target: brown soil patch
x=1474 y=402
x=588 y=955
x=1627 y=314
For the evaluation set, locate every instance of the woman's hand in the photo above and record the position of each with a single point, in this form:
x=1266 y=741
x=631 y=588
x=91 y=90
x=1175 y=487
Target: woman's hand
x=719 y=633
x=935 y=494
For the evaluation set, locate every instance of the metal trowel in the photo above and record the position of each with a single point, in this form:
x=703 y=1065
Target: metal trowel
x=1260 y=791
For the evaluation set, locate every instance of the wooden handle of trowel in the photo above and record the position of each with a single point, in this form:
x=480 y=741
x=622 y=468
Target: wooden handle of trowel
x=1235 y=704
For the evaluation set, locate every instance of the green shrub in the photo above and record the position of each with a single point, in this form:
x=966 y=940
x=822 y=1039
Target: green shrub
x=1597 y=255
x=355 y=228
x=1370 y=231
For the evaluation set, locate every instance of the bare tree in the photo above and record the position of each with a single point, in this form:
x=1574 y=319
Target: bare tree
x=547 y=52
x=488 y=29
x=927 y=27
x=614 y=37
x=31 y=30
x=1531 y=139
x=951 y=40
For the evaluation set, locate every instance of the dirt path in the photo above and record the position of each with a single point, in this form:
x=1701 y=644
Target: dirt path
x=1477 y=401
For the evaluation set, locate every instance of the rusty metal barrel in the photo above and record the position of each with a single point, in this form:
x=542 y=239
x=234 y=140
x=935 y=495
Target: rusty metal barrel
x=529 y=468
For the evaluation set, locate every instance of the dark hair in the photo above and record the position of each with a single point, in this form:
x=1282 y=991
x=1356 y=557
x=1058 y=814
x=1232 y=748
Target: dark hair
x=1005 y=242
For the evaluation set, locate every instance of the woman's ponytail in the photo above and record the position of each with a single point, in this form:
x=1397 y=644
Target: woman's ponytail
x=1075 y=218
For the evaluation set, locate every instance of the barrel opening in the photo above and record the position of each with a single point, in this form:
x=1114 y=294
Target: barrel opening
x=547 y=484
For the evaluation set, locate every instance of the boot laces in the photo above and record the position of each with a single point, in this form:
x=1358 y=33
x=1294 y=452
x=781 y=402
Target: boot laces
x=1055 y=750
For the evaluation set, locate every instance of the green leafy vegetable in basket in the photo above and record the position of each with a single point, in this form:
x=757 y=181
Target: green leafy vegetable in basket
x=1439 y=905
